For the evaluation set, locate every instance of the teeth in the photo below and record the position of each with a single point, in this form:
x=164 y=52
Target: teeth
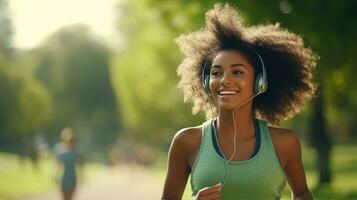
x=227 y=92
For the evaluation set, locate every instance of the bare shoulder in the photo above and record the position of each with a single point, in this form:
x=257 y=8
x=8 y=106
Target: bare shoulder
x=286 y=143
x=188 y=141
x=179 y=165
x=187 y=137
x=283 y=136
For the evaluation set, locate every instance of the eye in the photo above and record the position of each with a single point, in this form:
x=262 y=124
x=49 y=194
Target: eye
x=237 y=72
x=215 y=73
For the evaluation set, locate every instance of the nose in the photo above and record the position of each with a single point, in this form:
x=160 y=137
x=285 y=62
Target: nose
x=226 y=79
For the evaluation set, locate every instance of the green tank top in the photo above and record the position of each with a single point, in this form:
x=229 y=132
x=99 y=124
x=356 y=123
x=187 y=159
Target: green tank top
x=260 y=177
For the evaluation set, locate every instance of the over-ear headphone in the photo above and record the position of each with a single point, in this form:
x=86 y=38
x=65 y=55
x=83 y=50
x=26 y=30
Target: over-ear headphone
x=260 y=85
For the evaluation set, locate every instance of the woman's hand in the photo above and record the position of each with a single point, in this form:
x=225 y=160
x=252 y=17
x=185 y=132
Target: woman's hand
x=210 y=193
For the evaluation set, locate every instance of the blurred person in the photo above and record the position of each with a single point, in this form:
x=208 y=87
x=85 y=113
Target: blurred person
x=245 y=78
x=34 y=155
x=70 y=162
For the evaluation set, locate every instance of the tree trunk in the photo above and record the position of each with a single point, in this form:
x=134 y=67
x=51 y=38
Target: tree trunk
x=320 y=139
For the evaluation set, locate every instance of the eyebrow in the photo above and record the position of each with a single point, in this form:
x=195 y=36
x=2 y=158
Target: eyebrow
x=233 y=65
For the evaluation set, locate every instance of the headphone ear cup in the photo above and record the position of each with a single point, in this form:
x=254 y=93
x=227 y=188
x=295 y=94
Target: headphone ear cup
x=206 y=82
x=259 y=84
x=206 y=78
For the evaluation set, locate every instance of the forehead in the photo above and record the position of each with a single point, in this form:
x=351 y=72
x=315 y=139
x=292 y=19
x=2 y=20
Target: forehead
x=229 y=57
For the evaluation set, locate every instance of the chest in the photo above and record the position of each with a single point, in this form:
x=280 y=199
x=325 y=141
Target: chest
x=242 y=149
x=246 y=148
x=259 y=175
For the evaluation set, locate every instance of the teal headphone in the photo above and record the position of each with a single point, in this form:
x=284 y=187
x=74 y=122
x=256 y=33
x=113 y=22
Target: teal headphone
x=260 y=85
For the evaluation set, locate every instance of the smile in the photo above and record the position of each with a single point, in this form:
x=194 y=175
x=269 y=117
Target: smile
x=227 y=92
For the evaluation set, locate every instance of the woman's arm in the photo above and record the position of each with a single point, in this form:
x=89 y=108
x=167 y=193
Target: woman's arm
x=178 y=168
x=294 y=169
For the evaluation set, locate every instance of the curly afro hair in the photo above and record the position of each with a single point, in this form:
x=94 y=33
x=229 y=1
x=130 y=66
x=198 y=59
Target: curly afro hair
x=289 y=65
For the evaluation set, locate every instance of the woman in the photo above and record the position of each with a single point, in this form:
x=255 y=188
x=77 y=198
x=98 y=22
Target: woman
x=244 y=78
x=69 y=161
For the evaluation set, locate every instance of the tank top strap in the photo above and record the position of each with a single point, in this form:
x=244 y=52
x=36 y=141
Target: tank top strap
x=206 y=142
x=266 y=138
x=270 y=149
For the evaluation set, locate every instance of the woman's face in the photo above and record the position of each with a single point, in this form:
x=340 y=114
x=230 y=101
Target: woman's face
x=231 y=79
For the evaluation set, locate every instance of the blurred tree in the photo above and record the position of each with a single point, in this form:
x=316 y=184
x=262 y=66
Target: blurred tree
x=329 y=27
x=25 y=106
x=144 y=76
x=5 y=30
x=74 y=65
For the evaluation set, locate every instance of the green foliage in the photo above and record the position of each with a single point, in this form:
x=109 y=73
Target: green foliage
x=24 y=103
x=6 y=29
x=144 y=76
x=74 y=66
x=35 y=103
x=77 y=69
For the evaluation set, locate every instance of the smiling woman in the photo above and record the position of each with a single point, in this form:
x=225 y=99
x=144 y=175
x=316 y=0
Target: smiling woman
x=34 y=23
x=231 y=82
x=243 y=78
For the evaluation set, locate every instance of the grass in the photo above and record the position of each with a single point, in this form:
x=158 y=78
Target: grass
x=344 y=175
x=20 y=178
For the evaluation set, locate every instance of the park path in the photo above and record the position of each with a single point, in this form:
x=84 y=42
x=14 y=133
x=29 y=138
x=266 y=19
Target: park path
x=123 y=182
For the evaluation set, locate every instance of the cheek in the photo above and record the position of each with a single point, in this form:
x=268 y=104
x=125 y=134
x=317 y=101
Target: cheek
x=248 y=84
x=214 y=84
x=246 y=87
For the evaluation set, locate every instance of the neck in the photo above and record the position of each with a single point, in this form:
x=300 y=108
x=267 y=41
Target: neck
x=243 y=119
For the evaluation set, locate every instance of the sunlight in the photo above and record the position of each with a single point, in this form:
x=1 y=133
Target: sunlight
x=34 y=20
